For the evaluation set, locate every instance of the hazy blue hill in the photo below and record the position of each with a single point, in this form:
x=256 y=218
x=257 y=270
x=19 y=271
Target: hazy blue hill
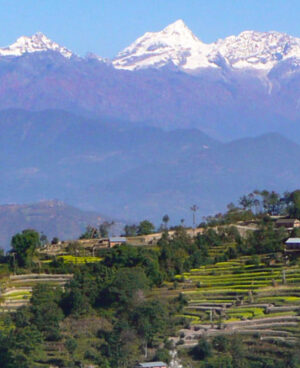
x=210 y=178
x=133 y=173
x=53 y=218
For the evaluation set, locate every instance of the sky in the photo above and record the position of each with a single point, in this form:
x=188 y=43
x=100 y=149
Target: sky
x=105 y=27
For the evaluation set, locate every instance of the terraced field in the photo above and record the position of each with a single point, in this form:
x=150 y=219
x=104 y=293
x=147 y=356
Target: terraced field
x=258 y=301
x=16 y=290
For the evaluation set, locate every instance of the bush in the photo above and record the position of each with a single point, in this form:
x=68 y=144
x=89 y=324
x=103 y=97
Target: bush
x=202 y=350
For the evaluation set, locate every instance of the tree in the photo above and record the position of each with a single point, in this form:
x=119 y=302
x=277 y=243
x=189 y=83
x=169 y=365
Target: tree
x=165 y=220
x=294 y=207
x=104 y=228
x=127 y=282
x=43 y=239
x=247 y=201
x=55 y=240
x=46 y=310
x=145 y=227
x=130 y=230
x=90 y=233
x=202 y=350
x=24 y=245
x=221 y=343
x=149 y=319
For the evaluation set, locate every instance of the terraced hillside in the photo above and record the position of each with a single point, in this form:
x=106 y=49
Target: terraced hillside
x=244 y=296
x=16 y=290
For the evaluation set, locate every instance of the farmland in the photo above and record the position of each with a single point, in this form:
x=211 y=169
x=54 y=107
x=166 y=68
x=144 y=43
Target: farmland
x=259 y=301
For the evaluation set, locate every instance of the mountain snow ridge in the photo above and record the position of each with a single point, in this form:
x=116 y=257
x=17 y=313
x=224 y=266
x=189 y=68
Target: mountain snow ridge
x=177 y=45
x=36 y=43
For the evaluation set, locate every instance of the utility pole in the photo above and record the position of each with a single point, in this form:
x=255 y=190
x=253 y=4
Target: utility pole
x=283 y=277
x=194 y=209
x=14 y=257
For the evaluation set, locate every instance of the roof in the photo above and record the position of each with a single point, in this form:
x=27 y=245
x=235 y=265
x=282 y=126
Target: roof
x=119 y=239
x=286 y=221
x=293 y=241
x=152 y=364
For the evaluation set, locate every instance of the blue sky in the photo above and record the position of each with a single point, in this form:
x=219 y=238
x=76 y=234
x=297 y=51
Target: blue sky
x=107 y=26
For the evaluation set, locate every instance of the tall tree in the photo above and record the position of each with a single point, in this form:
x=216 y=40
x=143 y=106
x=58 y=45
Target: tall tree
x=24 y=245
x=145 y=227
x=166 y=220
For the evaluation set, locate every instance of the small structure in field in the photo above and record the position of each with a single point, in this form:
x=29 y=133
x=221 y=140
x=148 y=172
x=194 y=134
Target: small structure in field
x=288 y=224
x=292 y=245
x=112 y=241
x=152 y=365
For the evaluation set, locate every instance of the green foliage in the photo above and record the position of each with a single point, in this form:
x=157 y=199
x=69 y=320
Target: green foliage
x=266 y=239
x=221 y=343
x=126 y=282
x=145 y=227
x=149 y=319
x=24 y=245
x=130 y=230
x=71 y=345
x=20 y=347
x=202 y=350
x=46 y=310
x=293 y=200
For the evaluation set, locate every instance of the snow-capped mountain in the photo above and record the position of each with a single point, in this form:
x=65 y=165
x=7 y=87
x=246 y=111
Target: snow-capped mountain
x=36 y=43
x=176 y=44
x=259 y=50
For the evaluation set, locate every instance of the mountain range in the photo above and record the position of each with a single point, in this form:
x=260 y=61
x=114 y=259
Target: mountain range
x=169 y=122
x=236 y=87
x=133 y=173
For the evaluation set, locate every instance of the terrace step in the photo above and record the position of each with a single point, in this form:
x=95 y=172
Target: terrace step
x=283 y=308
x=210 y=305
x=205 y=307
x=40 y=275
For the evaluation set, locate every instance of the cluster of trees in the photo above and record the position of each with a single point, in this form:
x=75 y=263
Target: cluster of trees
x=102 y=231
x=231 y=352
x=116 y=289
x=145 y=227
x=259 y=204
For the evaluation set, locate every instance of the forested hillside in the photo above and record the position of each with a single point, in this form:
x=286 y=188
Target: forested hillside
x=216 y=299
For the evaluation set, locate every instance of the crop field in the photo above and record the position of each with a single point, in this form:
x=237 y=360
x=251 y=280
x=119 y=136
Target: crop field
x=17 y=290
x=80 y=260
x=258 y=301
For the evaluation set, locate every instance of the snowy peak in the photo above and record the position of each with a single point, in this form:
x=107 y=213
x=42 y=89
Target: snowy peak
x=178 y=27
x=36 y=43
x=175 y=44
x=259 y=50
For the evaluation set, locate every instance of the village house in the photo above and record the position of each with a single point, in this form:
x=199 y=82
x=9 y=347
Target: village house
x=112 y=241
x=292 y=245
x=152 y=365
x=289 y=224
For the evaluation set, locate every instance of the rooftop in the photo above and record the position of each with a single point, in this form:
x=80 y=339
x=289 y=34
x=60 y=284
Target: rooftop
x=293 y=241
x=286 y=221
x=120 y=239
x=152 y=364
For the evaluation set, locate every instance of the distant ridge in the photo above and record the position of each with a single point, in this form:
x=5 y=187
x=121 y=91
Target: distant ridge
x=133 y=173
x=53 y=218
